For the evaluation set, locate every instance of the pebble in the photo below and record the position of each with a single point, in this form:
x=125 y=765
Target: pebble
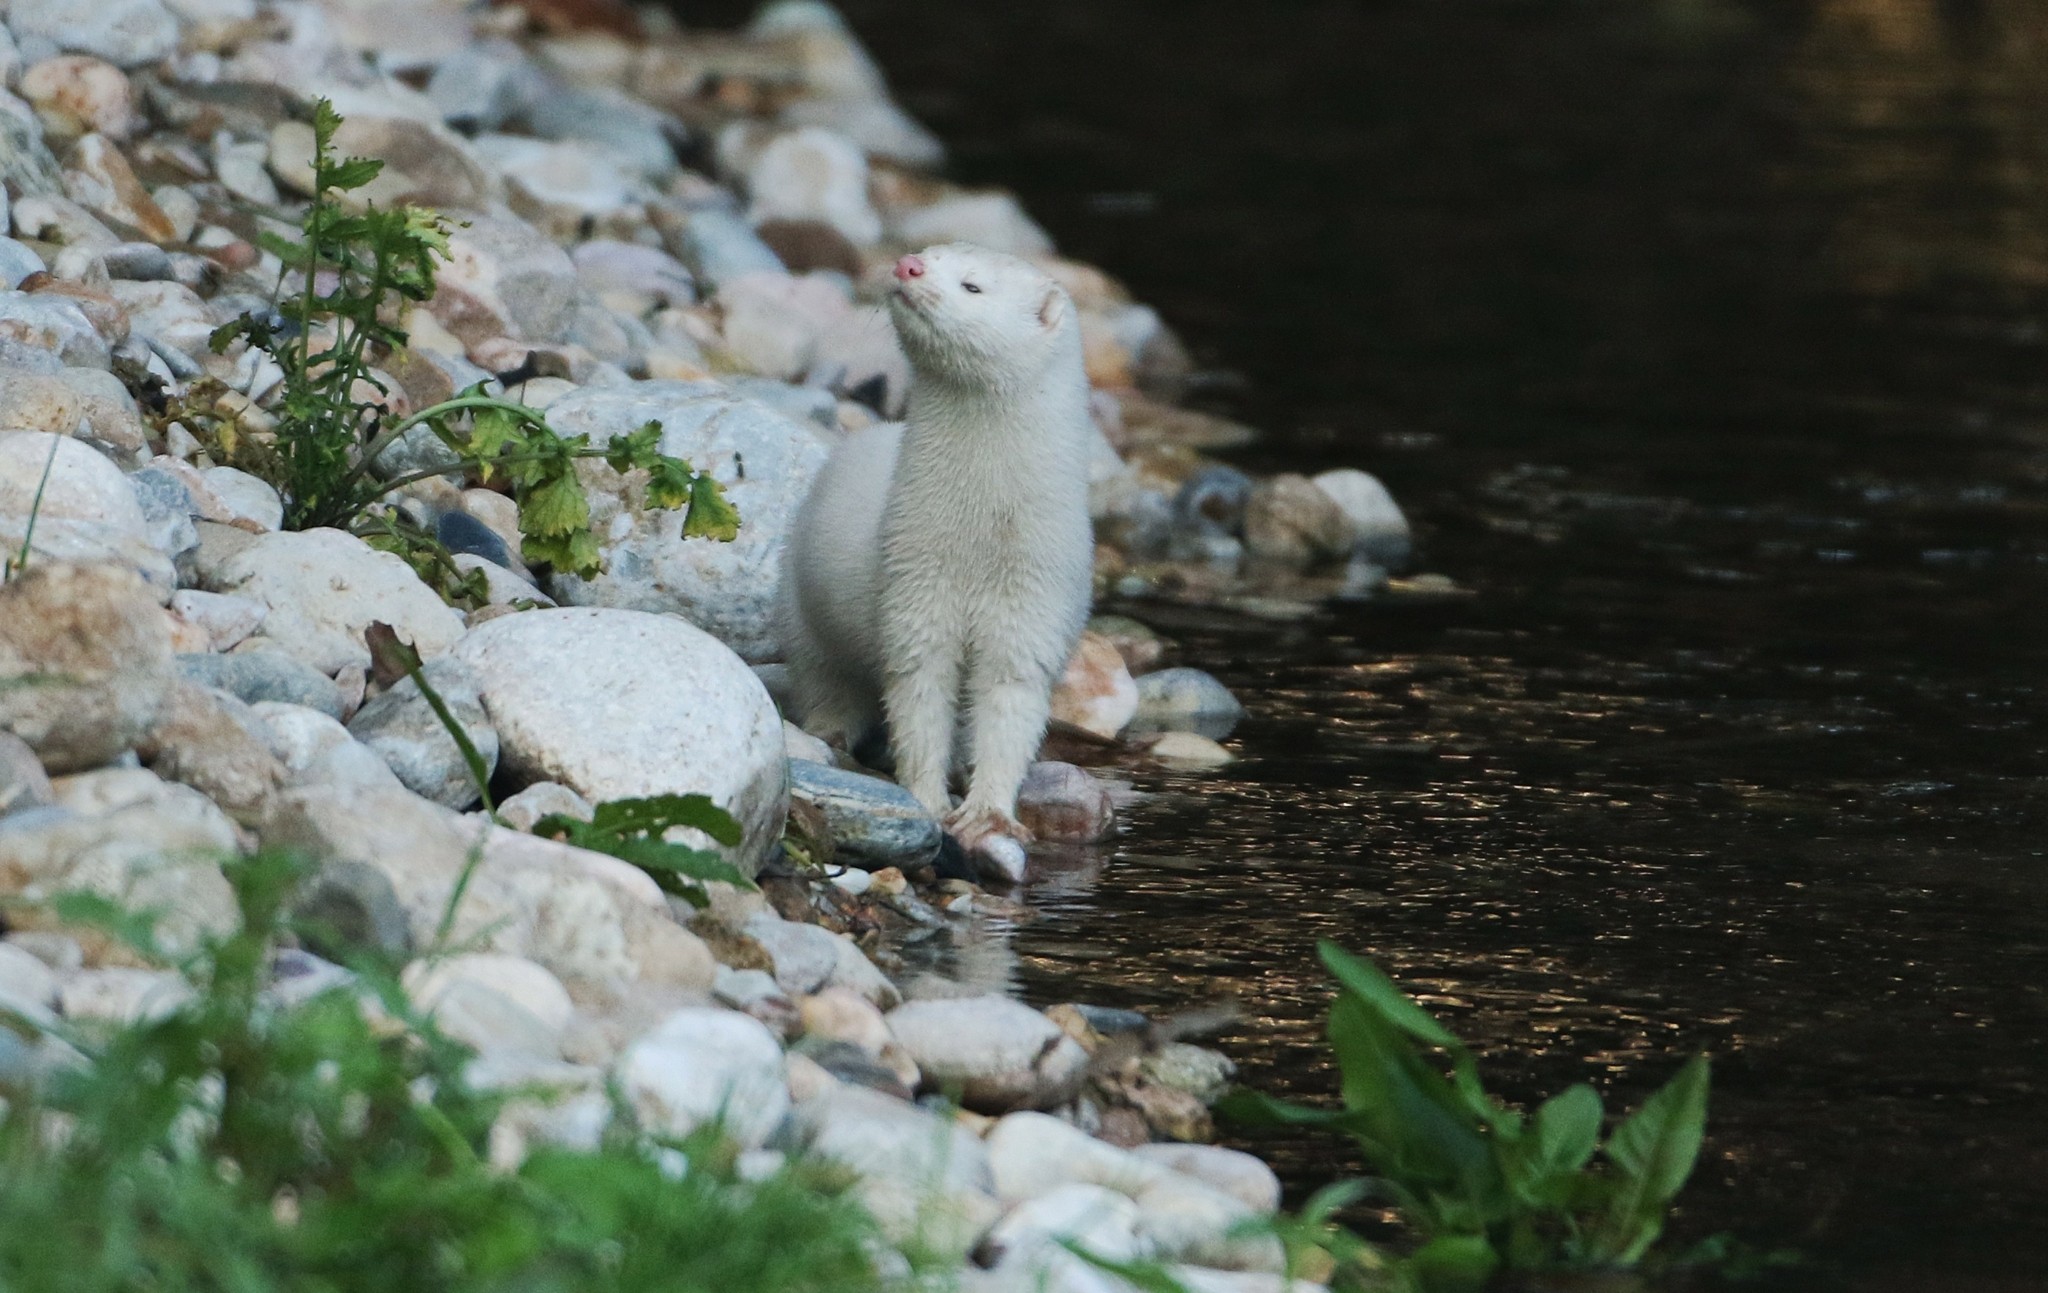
x=617 y=703
x=249 y=500
x=503 y=278
x=23 y=783
x=1379 y=528
x=1291 y=521
x=702 y=1066
x=1062 y=804
x=76 y=94
x=543 y=799
x=25 y=979
x=127 y=33
x=1097 y=693
x=999 y=1053
x=225 y=621
x=255 y=676
x=216 y=744
x=1188 y=750
x=719 y=247
x=874 y=822
x=1186 y=700
x=55 y=324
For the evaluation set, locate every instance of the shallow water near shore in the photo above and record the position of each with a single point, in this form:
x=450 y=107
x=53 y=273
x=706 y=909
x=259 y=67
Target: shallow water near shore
x=1708 y=345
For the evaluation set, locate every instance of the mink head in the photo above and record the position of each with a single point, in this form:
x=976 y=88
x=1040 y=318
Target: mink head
x=973 y=316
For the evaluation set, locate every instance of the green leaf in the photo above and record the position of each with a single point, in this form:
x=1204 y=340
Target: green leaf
x=555 y=507
x=576 y=553
x=711 y=516
x=639 y=449
x=657 y=814
x=1455 y=1263
x=492 y=432
x=1567 y=1127
x=1395 y=1006
x=1249 y=1108
x=1655 y=1150
x=670 y=483
x=352 y=173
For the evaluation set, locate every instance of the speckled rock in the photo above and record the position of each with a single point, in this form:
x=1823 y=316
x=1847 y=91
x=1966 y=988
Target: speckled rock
x=1380 y=530
x=504 y=279
x=215 y=744
x=316 y=750
x=76 y=94
x=874 y=823
x=53 y=323
x=85 y=662
x=1289 y=520
x=616 y=703
x=324 y=587
x=727 y=589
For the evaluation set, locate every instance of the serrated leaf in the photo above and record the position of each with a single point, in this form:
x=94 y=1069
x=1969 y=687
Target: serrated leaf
x=492 y=431
x=658 y=814
x=576 y=552
x=711 y=516
x=639 y=449
x=554 y=507
x=669 y=483
x=353 y=172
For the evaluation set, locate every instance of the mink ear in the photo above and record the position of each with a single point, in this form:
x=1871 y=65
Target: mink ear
x=1053 y=310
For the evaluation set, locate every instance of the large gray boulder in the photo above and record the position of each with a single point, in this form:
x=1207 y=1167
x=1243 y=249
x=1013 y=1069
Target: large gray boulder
x=764 y=459
x=614 y=704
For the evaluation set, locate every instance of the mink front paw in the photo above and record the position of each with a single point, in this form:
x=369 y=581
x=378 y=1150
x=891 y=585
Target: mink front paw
x=993 y=839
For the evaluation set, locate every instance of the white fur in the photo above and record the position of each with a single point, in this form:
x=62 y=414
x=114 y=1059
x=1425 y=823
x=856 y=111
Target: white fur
x=939 y=572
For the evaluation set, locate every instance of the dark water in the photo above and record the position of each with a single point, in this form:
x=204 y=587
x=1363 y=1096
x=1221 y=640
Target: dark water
x=1708 y=344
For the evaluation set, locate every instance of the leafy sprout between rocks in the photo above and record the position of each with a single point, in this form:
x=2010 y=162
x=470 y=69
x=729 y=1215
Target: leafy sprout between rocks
x=358 y=269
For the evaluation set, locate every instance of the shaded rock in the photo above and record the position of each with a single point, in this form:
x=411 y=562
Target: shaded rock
x=267 y=675
x=647 y=276
x=765 y=462
x=704 y=1065
x=1186 y=700
x=215 y=744
x=426 y=164
x=564 y=188
x=390 y=862
x=129 y=836
x=26 y=165
x=406 y=733
x=1208 y=515
x=127 y=33
x=88 y=513
x=1033 y=1240
x=814 y=174
x=1289 y=520
x=1141 y=648
x=85 y=662
x=17 y=262
x=1096 y=693
x=1001 y=1054
x=25 y=979
x=719 y=247
x=1062 y=804
x=1238 y=1174
x=224 y=620
x=23 y=783
x=1379 y=529
x=1189 y=750
x=493 y=1002
x=1032 y=1154
x=619 y=703
x=874 y=823
x=88 y=403
x=324 y=587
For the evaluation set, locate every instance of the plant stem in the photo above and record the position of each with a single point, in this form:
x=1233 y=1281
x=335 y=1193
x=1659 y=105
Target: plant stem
x=35 y=507
x=458 y=404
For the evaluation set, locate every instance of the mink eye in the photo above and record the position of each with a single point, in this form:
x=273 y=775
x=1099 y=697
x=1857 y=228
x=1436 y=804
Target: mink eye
x=969 y=287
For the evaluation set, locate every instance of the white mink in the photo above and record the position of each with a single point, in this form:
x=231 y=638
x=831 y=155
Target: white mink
x=939 y=572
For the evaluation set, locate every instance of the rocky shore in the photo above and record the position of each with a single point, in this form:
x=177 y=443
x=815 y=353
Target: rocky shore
x=656 y=225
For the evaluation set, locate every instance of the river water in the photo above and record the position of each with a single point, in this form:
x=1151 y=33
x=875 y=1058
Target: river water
x=1707 y=344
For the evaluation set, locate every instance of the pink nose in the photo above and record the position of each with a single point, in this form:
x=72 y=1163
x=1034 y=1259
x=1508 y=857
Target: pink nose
x=908 y=268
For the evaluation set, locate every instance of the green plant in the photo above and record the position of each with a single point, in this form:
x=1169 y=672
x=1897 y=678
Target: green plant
x=242 y=1145
x=1485 y=1187
x=635 y=829
x=328 y=435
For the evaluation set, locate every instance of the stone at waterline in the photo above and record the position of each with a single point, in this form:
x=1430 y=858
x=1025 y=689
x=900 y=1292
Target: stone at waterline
x=1185 y=700
x=1380 y=530
x=1290 y=521
x=1188 y=751
x=1096 y=693
x=85 y=661
x=404 y=729
x=89 y=513
x=615 y=704
x=874 y=823
x=1062 y=804
x=1000 y=1053
x=764 y=459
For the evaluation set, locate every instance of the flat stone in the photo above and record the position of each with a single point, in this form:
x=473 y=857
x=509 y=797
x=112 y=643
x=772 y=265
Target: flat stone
x=316 y=750
x=999 y=1053
x=874 y=823
x=265 y=675
x=1185 y=700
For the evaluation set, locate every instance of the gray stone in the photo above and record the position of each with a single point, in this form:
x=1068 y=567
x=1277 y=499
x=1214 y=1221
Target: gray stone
x=803 y=403
x=85 y=661
x=1291 y=521
x=719 y=247
x=1063 y=804
x=1185 y=700
x=324 y=587
x=1209 y=505
x=265 y=675
x=1001 y=1054
x=167 y=511
x=1197 y=1070
x=88 y=512
x=992 y=219
x=248 y=498
x=17 y=261
x=53 y=322
x=1034 y=1238
x=814 y=174
x=612 y=121
x=805 y=956
x=920 y=1175
x=706 y=1065
x=127 y=33
x=26 y=164
x=649 y=275
x=616 y=704
x=404 y=730
x=23 y=783
x=493 y=1002
x=504 y=279
x=543 y=799
x=1236 y=1173
x=24 y=978
x=88 y=403
x=764 y=459
x=874 y=823
x=225 y=620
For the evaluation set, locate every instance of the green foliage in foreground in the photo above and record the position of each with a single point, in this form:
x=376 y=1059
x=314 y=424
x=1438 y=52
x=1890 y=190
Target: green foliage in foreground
x=1486 y=1188
x=634 y=830
x=240 y=1146
x=359 y=269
